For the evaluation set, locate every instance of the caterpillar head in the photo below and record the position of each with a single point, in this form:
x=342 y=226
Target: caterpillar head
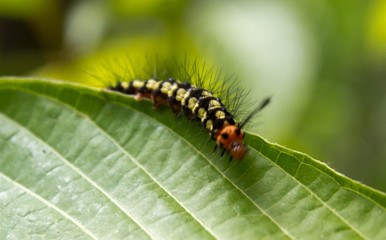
x=231 y=139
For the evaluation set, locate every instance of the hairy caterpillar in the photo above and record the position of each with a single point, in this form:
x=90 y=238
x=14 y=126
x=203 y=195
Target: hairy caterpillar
x=197 y=103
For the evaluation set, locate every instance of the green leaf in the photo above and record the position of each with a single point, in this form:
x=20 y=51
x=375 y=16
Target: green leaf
x=78 y=162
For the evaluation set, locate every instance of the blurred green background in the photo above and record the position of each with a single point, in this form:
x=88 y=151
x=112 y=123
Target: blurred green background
x=323 y=62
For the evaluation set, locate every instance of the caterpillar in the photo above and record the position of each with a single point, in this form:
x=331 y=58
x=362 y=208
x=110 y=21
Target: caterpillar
x=196 y=103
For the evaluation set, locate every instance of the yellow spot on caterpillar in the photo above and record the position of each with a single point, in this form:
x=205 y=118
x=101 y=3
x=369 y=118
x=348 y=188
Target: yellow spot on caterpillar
x=151 y=84
x=180 y=94
x=209 y=125
x=192 y=103
x=165 y=87
x=206 y=94
x=201 y=112
x=220 y=115
x=204 y=117
x=171 y=90
x=211 y=108
x=156 y=86
x=187 y=94
x=214 y=103
x=138 y=84
x=125 y=85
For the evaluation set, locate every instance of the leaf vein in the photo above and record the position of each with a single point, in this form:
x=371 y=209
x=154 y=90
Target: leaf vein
x=78 y=171
x=316 y=196
x=49 y=204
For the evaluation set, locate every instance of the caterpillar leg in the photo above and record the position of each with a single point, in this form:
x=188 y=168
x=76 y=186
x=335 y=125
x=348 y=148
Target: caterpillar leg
x=176 y=108
x=138 y=96
x=223 y=152
x=159 y=101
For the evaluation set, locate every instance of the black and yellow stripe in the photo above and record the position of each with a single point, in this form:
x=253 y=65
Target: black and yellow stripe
x=196 y=103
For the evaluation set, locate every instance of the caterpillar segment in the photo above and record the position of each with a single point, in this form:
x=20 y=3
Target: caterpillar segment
x=190 y=100
x=175 y=95
x=160 y=92
x=197 y=104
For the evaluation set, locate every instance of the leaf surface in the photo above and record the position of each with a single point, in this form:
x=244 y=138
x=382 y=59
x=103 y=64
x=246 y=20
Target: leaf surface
x=85 y=163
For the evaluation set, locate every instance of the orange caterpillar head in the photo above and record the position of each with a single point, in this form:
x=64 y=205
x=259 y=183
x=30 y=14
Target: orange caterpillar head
x=231 y=139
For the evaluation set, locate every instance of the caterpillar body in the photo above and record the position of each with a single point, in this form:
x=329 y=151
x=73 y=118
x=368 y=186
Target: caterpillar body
x=197 y=104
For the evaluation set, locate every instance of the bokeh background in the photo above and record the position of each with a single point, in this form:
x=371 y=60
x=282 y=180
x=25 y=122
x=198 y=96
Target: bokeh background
x=323 y=62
